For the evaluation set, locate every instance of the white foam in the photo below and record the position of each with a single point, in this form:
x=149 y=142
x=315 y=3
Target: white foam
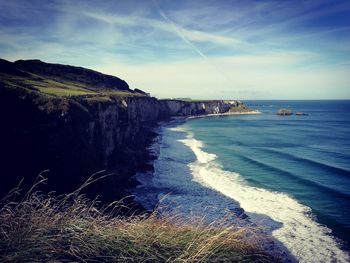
x=202 y=157
x=306 y=239
x=224 y=114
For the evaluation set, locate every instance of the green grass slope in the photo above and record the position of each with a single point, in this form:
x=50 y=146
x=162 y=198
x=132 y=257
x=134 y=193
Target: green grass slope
x=61 y=80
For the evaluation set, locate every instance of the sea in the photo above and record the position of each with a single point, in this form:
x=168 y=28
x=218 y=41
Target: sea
x=289 y=174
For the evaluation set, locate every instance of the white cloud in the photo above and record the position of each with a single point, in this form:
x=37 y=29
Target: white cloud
x=192 y=35
x=193 y=78
x=154 y=50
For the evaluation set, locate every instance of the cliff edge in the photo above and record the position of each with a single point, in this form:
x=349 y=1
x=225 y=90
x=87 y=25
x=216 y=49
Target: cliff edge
x=74 y=121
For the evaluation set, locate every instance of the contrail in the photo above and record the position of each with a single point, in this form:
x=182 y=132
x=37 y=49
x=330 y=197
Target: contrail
x=180 y=34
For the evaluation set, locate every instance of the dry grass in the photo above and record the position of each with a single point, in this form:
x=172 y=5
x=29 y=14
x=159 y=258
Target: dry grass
x=43 y=228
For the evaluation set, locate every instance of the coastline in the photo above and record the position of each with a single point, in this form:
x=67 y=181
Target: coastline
x=170 y=206
x=152 y=149
x=176 y=122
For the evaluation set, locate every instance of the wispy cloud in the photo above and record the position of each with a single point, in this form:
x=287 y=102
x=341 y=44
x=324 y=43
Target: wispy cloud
x=181 y=35
x=242 y=48
x=193 y=35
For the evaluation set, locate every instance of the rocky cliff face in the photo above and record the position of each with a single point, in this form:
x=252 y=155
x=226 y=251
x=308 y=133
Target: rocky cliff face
x=78 y=137
x=75 y=122
x=121 y=122
x=193 y=108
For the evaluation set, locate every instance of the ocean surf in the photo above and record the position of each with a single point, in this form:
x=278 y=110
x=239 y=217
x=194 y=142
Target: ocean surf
x=211 y=166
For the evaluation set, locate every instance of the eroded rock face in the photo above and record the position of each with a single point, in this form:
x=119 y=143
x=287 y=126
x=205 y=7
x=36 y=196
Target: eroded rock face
x=193 y=108
x=121 y=122
x=74 y=138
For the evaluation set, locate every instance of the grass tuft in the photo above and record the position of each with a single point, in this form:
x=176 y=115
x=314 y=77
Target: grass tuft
x=42 y=227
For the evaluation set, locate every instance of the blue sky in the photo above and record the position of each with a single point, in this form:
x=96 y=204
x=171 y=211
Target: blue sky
x=199 y=49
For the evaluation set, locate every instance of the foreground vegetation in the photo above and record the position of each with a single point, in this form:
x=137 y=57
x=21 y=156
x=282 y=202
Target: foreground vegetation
x=41 y=228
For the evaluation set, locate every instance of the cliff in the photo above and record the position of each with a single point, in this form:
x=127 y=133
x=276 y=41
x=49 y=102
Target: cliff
x=74 y=122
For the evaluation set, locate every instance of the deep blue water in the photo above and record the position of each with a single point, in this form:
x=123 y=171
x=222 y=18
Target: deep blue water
x=291 y=173
x=307 y=157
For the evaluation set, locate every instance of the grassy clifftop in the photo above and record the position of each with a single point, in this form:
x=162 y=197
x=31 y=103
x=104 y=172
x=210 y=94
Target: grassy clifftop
x=61 y=80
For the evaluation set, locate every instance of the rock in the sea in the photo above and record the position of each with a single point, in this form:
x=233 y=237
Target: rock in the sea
x=284 y=112
x=301 y=114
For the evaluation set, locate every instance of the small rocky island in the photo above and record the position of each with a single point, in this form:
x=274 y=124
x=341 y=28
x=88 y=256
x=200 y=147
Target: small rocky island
x=301 y=114
x=287 y=112
x=284 y=112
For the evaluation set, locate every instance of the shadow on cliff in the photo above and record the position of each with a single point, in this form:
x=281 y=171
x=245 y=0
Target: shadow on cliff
x=40 y=134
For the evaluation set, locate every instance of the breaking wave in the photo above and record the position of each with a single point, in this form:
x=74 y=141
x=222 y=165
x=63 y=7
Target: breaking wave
x=306 y=239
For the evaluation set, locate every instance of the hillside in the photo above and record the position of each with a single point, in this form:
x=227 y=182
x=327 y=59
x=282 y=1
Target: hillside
x=61 y=80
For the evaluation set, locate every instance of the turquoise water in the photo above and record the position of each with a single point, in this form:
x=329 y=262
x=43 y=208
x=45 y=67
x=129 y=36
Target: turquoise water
x=290 y=173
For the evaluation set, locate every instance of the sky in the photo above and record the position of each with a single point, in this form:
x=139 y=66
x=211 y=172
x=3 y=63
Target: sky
x=204 y=49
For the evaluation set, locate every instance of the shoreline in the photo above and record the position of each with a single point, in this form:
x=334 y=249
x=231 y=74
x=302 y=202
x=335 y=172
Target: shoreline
x=176 y=121
x=153 y=155
x=276 y=247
